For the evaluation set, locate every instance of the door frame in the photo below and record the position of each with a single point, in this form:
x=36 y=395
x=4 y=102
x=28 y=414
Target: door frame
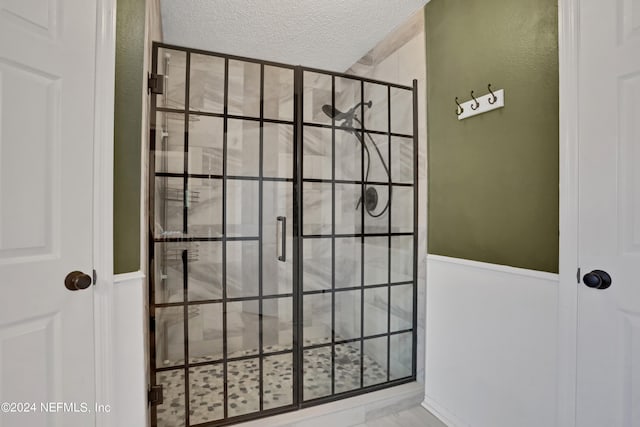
x=568 y=53
x=104 y=90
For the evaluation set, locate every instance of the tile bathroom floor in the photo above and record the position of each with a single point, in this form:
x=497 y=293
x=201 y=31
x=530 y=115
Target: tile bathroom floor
x=413 y=417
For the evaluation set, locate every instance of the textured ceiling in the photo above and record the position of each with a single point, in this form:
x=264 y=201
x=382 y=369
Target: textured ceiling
x=327 y=34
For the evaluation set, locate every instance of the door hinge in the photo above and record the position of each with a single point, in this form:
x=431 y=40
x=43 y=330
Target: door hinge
x=155 y=395
x=156 y=84
x=95 y=277
x=578 y=275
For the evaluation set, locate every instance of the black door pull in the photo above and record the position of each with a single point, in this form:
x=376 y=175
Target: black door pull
x=283 y=239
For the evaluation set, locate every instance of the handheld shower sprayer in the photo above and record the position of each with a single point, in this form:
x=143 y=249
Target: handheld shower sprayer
x=347 y=118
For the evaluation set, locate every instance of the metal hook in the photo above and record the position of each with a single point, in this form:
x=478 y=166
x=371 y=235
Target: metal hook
x=459 y=110
x=474 y=107
x=494 y=98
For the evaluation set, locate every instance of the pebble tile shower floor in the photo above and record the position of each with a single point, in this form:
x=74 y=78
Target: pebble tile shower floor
x=206 y=393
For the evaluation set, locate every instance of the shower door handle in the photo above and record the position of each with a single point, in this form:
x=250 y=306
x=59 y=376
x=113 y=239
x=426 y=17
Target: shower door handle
x=283 y=239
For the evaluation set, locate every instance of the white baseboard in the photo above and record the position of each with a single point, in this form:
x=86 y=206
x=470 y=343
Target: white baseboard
x=442 y=413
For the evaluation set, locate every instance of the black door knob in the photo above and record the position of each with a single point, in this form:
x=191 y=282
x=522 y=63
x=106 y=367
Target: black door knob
x=77 y=280
x=597 y=279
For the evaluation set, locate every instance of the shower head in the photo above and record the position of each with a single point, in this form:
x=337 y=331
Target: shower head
x=334 y=113
x=327 y=110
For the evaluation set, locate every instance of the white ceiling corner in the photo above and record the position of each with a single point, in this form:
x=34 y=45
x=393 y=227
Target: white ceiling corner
x=327 y=34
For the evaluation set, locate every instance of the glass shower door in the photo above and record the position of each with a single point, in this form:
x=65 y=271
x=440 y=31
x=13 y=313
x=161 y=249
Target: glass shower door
x=359 y=200
x=222 y=252
x=282 y=226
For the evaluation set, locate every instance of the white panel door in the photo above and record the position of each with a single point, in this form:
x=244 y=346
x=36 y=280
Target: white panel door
x=608 y=389
x=47 y=68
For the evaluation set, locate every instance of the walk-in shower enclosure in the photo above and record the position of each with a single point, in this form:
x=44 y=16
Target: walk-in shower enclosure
x=283 y=233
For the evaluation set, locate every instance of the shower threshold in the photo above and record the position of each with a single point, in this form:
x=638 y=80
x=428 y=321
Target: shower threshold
x=348 y=412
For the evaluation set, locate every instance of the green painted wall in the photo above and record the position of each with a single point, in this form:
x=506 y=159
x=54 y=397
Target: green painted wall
x=130 y=31
x=493 y=178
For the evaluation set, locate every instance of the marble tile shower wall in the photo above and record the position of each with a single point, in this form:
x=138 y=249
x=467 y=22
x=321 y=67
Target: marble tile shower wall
x=317 y=211
x=205 y=332
x=400 y=58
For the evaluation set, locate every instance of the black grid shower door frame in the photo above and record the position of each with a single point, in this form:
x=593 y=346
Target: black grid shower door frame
x=300 y=180
x=297 y=188
x=224 y=238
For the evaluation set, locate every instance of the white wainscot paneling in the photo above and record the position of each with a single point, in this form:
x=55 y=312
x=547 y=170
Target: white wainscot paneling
x=130 y=347
x=491 y=344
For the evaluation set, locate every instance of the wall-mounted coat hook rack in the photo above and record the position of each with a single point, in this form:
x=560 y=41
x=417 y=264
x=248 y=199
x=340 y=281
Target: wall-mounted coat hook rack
x=478 y=105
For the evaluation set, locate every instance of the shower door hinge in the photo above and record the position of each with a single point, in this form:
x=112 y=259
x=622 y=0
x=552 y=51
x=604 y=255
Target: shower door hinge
x=156 y=84
x=155 y=395
x=95 y=277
